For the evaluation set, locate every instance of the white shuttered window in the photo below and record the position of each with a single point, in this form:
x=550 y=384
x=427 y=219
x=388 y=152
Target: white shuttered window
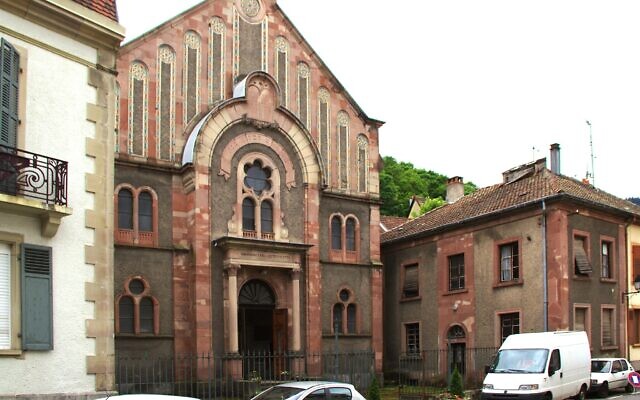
x=5 y=297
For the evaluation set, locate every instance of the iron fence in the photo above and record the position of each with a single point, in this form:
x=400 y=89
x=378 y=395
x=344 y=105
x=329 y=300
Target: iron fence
x=209 y=376
x=23 y=173
x=428 y=373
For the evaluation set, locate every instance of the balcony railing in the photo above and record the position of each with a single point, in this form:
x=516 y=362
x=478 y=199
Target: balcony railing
x=23 y=173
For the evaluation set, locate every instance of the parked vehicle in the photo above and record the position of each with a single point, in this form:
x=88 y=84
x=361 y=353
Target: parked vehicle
x=310 y=389
x=610 y=373
x=146 y=397
x=543 y=365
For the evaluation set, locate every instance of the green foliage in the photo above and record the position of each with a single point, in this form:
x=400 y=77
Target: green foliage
x=399 y=181
x=455 y=386
x=430 y=204
x=374 y=390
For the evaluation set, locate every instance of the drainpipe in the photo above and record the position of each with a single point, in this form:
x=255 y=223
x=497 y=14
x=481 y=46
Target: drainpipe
x=545 y=289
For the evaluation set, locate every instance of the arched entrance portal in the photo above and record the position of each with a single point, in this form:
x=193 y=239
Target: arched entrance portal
x=262 y=329
x=457 y=349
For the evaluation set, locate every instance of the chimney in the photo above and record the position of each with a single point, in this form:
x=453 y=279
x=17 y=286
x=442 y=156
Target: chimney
x=555 y=158
x=455 y=189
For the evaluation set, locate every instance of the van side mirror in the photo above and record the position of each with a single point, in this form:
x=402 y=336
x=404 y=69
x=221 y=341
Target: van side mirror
x=487 y=369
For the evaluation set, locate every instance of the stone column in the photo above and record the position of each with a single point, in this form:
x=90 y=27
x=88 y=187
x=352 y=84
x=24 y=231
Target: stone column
x=295 y=308
x=232 y=273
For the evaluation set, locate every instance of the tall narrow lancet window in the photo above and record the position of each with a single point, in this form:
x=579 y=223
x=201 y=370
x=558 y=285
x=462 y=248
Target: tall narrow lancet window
x=125 y=209
x=126 y=317
x=138 y=108
x=343 y=149
x=165 y=119
x=336 y=233
x=323 y=131
x=146 y=315
x=248 y=215
x=145 y=212
x=282 y=69
x=249 y=37
x=304 y=76
x=191 y=84
x=216 y=59
x=363 y=163
x=266 y=217
x=337 y=317
x=116 y=122
x=350 y=234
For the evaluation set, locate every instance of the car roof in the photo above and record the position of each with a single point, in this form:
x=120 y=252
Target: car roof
x=309 y=384
x=146 y=397
x=608 y=359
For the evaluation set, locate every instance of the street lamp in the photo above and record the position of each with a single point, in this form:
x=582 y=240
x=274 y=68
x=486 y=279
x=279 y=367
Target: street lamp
x=636 y=285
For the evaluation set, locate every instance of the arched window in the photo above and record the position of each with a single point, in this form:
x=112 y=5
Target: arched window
x=345 y=322
x=350 y=234
x=248 y=215
x=266 y=217
x=125 y=209
x=146 y=315
x=137 y=216
x=145 y=212
x=125 y=311
x=137 y=311
x=337 y=318
x=351 y=318
x=336 y=233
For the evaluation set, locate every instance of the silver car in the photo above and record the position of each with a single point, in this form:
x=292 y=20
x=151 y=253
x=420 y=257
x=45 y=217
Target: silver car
x=312 y=390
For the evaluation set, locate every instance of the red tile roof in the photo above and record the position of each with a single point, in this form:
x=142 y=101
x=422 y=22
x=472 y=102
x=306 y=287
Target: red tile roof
x=391 y=221
x=104 y=7
x=502 y=197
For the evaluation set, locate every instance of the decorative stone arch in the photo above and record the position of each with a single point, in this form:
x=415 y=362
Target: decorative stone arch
x=259 y=106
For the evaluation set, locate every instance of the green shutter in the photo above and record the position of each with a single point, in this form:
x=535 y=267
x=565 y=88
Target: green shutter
x=9 y=71
x=37 y=310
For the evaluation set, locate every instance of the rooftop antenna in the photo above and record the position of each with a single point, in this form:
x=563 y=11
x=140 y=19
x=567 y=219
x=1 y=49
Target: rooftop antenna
x=593 y=174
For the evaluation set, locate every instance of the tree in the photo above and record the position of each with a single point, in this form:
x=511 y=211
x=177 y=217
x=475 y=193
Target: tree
x=374 y=389
x=399 y=181
x=455 y=387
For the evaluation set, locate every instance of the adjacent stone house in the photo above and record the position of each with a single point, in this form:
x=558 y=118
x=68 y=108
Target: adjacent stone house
x=538 y=251
x=56 y=197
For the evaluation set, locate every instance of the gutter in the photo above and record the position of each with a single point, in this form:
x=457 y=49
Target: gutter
x=545 y=288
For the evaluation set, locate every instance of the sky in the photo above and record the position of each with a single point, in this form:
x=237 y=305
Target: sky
x=473 y=88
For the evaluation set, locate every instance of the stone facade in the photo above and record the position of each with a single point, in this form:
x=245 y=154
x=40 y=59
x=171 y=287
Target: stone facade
x=248 y=149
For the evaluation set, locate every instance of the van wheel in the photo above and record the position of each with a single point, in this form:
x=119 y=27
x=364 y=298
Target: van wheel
x=604 y=390
x=582 y=394
x=548 y=396
x=628 y=388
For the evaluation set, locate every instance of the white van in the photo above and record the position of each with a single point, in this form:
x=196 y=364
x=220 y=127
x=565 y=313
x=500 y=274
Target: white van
x=544 y=365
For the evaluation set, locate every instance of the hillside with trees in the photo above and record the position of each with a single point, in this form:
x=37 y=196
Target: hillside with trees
x=399 y=181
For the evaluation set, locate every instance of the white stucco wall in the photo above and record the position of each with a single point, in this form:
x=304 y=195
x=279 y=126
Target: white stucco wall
x=55 y=125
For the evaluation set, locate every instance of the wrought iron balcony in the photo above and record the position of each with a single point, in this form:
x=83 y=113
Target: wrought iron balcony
x=23 y=173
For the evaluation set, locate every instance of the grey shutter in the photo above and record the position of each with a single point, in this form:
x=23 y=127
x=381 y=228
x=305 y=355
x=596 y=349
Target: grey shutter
x=410 y=287
x=37 y=309
x=9 y=71
x=583 y=266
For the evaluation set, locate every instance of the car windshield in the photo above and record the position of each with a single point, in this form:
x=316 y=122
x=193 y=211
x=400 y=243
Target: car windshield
x=278 y=393
x=523 y=361
x=600 y=366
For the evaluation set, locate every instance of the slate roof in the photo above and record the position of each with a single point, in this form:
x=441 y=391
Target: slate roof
x=391 y=221
x=496 y=199
x=104 y=7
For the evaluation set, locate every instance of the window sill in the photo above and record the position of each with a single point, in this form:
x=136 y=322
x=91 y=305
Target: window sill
x=608 y=280
x=519 y=282
x=614 y=347
x=346 y=335
x=142 y=336
x=50 y=215
x=410 y=299
x=581 y=277
x=454 y=292
x=636 y=345
x=11 y=353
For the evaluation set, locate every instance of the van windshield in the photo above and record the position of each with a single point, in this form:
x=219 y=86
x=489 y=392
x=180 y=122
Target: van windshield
x=520 y=361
